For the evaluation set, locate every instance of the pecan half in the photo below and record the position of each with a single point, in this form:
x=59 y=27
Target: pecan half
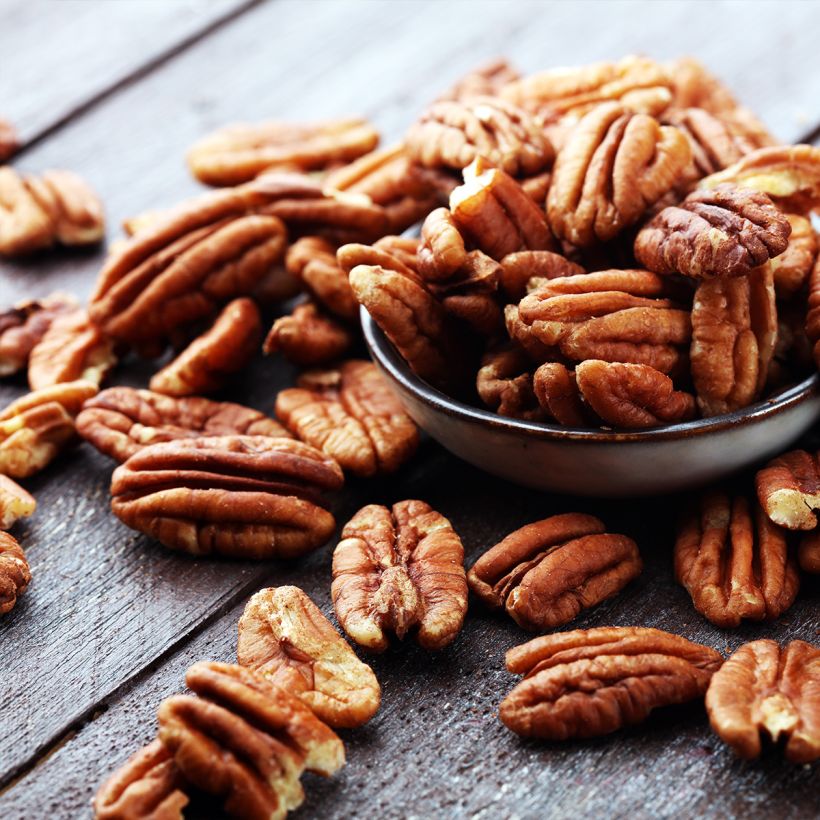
x=284 y=636
x=734 y=563
x=518 y=270
x=206 y=364
x=546 y=573
x=441 y=253
x=557 y=392
x=121 y=421
x=793 y=267
x=808 y=553
x=15 y=503
x=788 y=489
x=245 y=740
x=14 y=572
x=486 y=79
x=632 y=396
x=592 y=682
x=351 y=414
x=308 y=337
x=726 y=231
x=237 y=496
x=241 y=152
x=399 y=570
x=312 y=260
x=9 y=140
x=763 y=690
x=615 y=165
x=504 y=384
x=148 y=786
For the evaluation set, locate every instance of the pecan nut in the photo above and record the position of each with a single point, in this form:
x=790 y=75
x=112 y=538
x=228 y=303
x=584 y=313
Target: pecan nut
x=441 y=253
x=808 y=553
x=15 y=575
x=399 y=570
x=241 y=152
x=15 y=502
x=308 y=337
x=245 y=740
x=486 y=79
x=237 y=496
x=227 y=347
x=725 y=231
x=120 y=421
x=557 y=392
x=793 y=267
x=812 y=324
x=546 y=573
x=734 y=563
x=351 y=415
x=9 y=140
x=587 y=683
x=284 y=636
x=312 y=261
x=788 y=489
x=764 y=690
x=525 y=270
x=505 y=384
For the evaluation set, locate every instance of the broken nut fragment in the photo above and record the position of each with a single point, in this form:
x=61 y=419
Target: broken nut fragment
x=15 y=575
x=504 y=384
x=15 y=503
x=399 y=570
x=284 y=636
x=308 y=337
x=788 y=489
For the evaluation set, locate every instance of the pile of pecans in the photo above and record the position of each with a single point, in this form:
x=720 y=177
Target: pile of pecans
x=617 y=245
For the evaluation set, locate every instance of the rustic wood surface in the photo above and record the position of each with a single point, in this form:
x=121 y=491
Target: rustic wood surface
x=118 y=91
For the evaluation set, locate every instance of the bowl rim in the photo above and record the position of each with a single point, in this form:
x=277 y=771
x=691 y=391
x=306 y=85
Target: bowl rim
x=390 y=360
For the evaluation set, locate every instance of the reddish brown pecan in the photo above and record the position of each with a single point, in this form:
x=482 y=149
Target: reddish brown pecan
x=557 y=392
x=766 y=691
x=504 y=384
x=788 y=489
x=350 y=414
x=793 y=267
x=400 y=571
x=284 y=636
x=206 y=364
x=808 y=552
x=308 y=337
x=486 y=79
x=9 y=141
x=14 y=572
x=524 y=270
x=546 y=573
x=441 y=253
x=236 y=496
x=522 y=335
x=15 y=503
x=592 y=682
x=734 y=562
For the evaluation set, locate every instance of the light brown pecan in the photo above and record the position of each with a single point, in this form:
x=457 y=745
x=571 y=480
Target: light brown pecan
x=486 y=79
x=378 y=254
x=148 y=786
x=734 y=562
x=452 y=134
x=592 y=682
x=246 y=740
x=632 y=396
x=734 y=332
x=615 y=165
x=546 y=573
x=14 y=572
x=793 y=267
x=557 y=392
x=351 y=414
x=236 y=496
x=35 y=428
x=241 y=152
x=37 y=212
x=441 y=253
x=788 y=489
x=15 y=503
x=308 y=337
x=25 y=324
x=120 y=421
x=403 y=249
x=399 y=570
x=536 y=187
x=284 y=636
x=504 y=384
x=518 y=270
x=72 y=348
x=9 y=140
x=312 y=261
x=764 y=690
x=726 y=231
x=808 y=552
x=206 y=364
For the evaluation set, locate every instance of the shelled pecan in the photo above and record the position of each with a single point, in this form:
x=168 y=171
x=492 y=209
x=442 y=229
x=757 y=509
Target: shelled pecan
x=308 y=337
x=441 y=252
x=788 y=489
x=488 y=78
x=15 y=502
x=556 y=389
x=121 y=421
x=546 y=573
x=284 y=636
x=504 y=383
x=524 y=270
x=226 y=348
x=734 y=562
x=9 y=140
x=792 y=268
x=351 y=414
x=236 y=496
x=15 y=575
x=238 y=153
x=813 y=314
x=312 y=260
x=245 y=740
x=399 y=570
x=764 y=690
x=592 y=682
x=808 y=552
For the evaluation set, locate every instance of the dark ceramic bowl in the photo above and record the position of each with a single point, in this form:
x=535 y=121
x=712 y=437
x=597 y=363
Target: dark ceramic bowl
x=596 y=462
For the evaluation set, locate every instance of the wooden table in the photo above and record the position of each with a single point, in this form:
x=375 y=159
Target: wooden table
x=117 y=92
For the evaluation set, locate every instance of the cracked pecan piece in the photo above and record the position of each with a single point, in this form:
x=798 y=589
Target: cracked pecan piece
x=505 y=384
x=399 y=570
x=15 y=503
x=350 y=414
x=285 y=637
x=792 y=268
x=556 y=389
x=236 y=496
x=546 y=573
x=808 y=553
x=487 y=79
x=312 y=261
x=734 y=562
x=587 y=683
x=726 y=231
x=764 y=690
x=308 y=337
x=632 y=396
x=788 y=489
x=14 y=572
x=9 y=140
x=148 y=786
x=121 y=421
x=238 y=153
x=524 y=270
x=615 y=165
x=246 y=740
x=207 y=363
